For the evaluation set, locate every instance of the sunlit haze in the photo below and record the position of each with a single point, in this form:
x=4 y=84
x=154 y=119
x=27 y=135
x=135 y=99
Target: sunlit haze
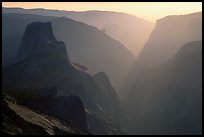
x=147 y=10
x=102 y=68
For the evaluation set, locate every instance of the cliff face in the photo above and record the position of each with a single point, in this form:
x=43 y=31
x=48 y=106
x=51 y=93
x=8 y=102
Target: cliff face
x=45 y=64
x=68 y=109
x=168 y=99
x=169 y=35
x=38 y=40
x=85 y=44
x=20 y=120
x=113 y=24
x=113 y=105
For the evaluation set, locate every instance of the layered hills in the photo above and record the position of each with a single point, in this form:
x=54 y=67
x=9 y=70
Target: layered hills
x=168 y=99
x=168 y=36
x=120 y=26
x=85 y=44
x=44 y=76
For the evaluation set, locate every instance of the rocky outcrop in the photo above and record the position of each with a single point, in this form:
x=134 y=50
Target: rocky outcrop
x=112 y=23
x=85 y=44
x=113 y=105
x=31 y=81
x=69 y=109
x=102 y=79
x=19 y=120
x=103 y=124
x=38 y=40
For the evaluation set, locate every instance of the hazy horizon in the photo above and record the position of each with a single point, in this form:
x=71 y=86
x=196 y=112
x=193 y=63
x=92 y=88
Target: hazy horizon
x=150 y=11
x=102 y=68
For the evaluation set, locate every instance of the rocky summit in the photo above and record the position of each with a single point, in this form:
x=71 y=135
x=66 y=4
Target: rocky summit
x=39 y=40
x=44 y=78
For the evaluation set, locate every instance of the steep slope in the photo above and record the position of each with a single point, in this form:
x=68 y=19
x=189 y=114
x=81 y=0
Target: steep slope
x=120 y=26
x=103 y=125
x=168 y=36
x=44 y=65
x=85 y=44
x=69 y=109
x=113 y=106
x=38 y=40
x=20 y=120
x=168 y=99
x=13 y=28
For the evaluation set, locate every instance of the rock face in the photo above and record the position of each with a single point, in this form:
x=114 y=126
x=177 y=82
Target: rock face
x=85 y=44
x=69 y=109
x=113 y=24
x=168 y=99
x=34 y=76
x=113 y=105
x=19 y=120
x=38 y=40
x=103 y=125
x=168 y=36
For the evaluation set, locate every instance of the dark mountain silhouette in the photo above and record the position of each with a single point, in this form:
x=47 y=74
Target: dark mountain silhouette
x=13 y=28
x=21 y=120
x=41 y=68
x=120 y=26
x=169 y=35
x=56 y=94
x=168 y=99
x=86 y=44
x=69 y=109
x=113 y=106
x=38 y=40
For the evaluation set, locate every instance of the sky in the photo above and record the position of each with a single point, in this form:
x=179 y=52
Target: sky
x=150 y=11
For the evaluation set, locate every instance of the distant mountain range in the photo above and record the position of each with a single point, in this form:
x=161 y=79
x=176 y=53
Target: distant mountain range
x=80 y=60
x=163 y=92
x=169 y=34
x=130 y=30
x=44 y=76
x=85 y=44
x=168 y=99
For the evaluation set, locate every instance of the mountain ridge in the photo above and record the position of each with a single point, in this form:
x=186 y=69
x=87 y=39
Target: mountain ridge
x=168 y=98
x=31 y=79
x=114 y=24
x=169 y=35
x=78 y=38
